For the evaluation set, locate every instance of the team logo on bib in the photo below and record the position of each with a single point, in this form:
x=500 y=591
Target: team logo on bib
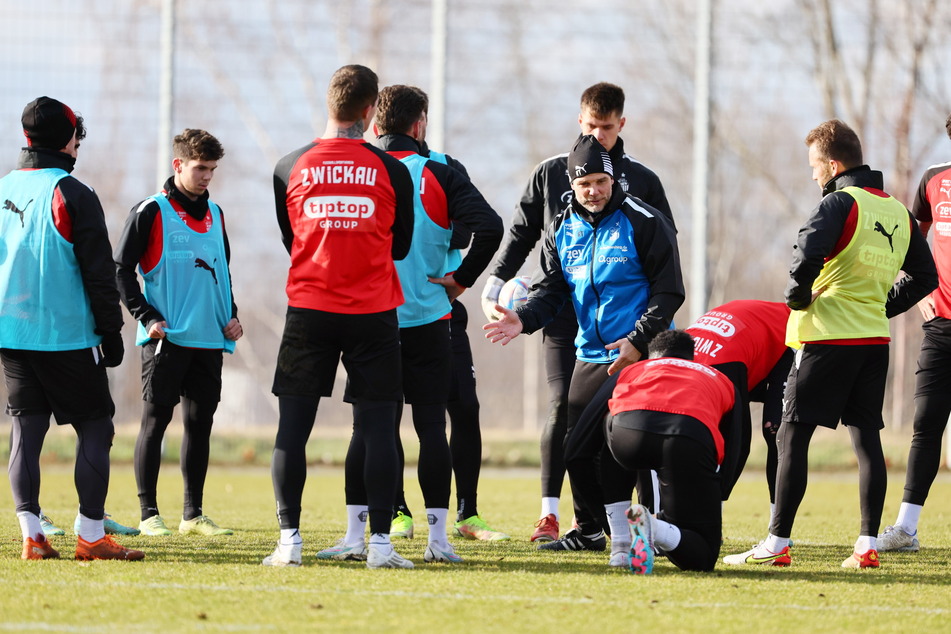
x=339 y=212
x=715 y=324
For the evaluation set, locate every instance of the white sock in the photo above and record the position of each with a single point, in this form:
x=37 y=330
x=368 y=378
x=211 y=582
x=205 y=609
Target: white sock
x=381 y=542
x=437 y=526
x=865 y=543
x=290 y=536
x=549 y=507
x=775 y=544
x=30 y=525
x=617 y=519
x=772 y=511
x=666 y=535
x=356 y=523
x=908 y=515
x=91 y=530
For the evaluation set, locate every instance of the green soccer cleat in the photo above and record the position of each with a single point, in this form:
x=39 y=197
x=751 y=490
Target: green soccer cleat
x=401 y=526
x=49 y=528
x=154 y=527
x=476 y=528
x=202 y=525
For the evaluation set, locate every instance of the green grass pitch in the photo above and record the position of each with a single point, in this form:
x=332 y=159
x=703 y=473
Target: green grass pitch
x=217 y=584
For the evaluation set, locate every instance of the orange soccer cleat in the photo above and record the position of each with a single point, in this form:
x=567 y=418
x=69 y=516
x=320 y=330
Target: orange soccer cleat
x=105 y=548
x=42 y=549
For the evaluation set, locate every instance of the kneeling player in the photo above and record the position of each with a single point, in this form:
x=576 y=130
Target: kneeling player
x=667 y=414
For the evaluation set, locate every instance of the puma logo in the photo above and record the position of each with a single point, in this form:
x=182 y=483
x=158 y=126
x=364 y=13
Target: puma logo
x=580 y=170
x=201 y=264
x=11 y=206
x=879 y=228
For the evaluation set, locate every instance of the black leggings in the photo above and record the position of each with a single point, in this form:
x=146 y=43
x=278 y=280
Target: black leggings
x=465 y=444
x=197 y=421
x=932 y=408
x=434 y=468
x=373 y=425
x=90 y=475
x=924 y=456
x=689 y=484
x=465 y=440
x=559 y=365
x=770 y=393
x=793 y=470
x=594 y=474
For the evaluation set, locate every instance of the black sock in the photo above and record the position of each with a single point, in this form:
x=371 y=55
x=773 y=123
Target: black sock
x=466 y=508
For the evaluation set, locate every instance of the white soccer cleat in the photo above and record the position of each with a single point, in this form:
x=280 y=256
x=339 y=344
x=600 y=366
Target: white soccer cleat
x=285 y=555
x=620 y=555
x=759 y=554
x=895 y=539
x=441 y=553
x=378 y=557
x=342 y=551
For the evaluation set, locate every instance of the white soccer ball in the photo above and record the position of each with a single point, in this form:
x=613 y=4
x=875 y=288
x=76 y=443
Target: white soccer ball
x=514 y=293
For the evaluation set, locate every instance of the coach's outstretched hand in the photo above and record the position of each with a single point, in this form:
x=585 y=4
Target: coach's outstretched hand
x=508 y=327
x=112 y=349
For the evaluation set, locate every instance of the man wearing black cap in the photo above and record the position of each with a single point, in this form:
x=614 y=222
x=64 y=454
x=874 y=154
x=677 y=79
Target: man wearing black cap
x=616 y=259
x=548 y=193
x=60 y=327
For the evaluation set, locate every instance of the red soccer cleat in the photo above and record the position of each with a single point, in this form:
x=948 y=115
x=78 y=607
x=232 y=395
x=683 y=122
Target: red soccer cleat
x=546 y=529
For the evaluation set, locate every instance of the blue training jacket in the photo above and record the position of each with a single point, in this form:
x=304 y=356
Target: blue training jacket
x=620 y=269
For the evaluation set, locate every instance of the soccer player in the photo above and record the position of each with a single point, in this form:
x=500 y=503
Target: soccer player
x=345 y=209
x=746 y=340
x=667 y=414
x=465 y=441
x=60 y=327
x=186 y=318
x=547 y=194
x=933 y=379
x=444 y=197
x=842 y=291
x=615 y=259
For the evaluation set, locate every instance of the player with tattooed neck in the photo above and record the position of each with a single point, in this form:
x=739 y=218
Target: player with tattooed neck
x=345 y=209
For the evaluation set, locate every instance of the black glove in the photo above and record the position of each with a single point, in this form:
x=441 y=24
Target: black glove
x=111 y=349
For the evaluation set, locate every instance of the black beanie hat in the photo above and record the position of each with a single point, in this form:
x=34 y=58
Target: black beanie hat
x=48 y=123
x=588 y=156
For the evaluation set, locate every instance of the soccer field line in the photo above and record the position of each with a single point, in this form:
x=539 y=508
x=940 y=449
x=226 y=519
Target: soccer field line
x=40 y=626
x=532 y=598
